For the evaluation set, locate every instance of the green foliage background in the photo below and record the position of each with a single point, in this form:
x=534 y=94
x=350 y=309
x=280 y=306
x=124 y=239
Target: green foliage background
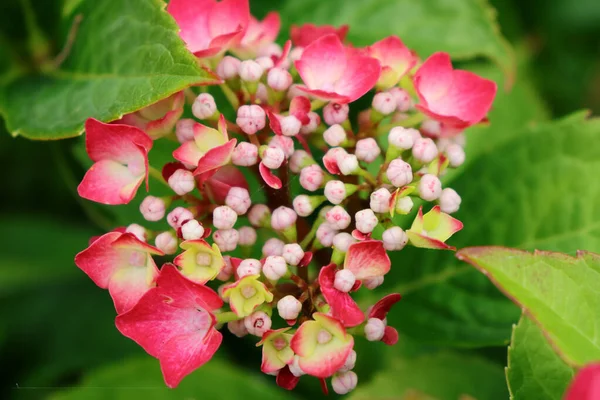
x=530 y=181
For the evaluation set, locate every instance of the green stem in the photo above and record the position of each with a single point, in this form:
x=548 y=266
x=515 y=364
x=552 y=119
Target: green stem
x=409 y=122
x=368 y=177
x=231 y=97
x=227 y=316
x=156 y=174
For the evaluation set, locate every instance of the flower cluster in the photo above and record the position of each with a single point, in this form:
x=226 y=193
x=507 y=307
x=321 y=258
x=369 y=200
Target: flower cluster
x=286 y=269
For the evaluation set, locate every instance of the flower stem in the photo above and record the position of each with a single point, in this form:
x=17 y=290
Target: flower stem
x=227 y=316
x=156 y=174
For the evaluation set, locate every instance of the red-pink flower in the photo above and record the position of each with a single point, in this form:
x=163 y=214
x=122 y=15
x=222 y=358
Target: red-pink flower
x=304 y=35
x=456 y=98
x=332 y=72
x=586 y=384
x=175 y=323
x=210 y=27
x=396 y=60
x=343 y=307
x=218 y=186
x=120 y=153
x=259 y=34
x=122 y=264
x=367 y=259
x=158 y=119
x=380 y=310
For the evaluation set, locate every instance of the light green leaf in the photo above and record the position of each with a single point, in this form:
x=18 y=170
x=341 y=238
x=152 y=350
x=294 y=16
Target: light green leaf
x=534 y=370
x=126 y=55
x=561 y=293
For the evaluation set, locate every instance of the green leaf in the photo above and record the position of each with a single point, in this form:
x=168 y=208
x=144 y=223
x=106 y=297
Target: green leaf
x=445 y=375
x=141 y=378
x=534 y=370
x=466 y=29
x=558 y=291
x=126 y=55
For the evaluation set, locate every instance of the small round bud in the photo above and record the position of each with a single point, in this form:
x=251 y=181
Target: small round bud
x=166 y=242
x=430 y=187
x=334 y=113
x=250 y=71
x=374 y=329
x=227 y=271
x=367 y=150
x=348 y=164
x=402 y=99
x=344 y=382
x=449 y=201
x=373 y=282
x=274 y=267
x=245 y=154
x=289 y=307
x=311 y=177
x=270 y=50
x=273 y=247
x=283 y=218
x=334 y=135
x=192 y=230
x=338 y=218
x=184 y=130
x=394 y=239
x=238 y=328
x=226 y=239
x=224 y=217
x=404 y=205
x=286 y=144
x=251 y=118
x=238 y=199
x=456 y=155
x=257 y=323
x=380 y=200
x=384 y=103
x=259 y=214
x=293 y=253
x=298 y=160
x=366 y=220
x=303 y=205
x=402 y=138
x=295 y=367
x=350 y=362
x=344 y=280
x=335 y=191
x=247 y=236
x=290 y=125
x=262 y=93
x=138 y=231
x=342 y=241
x=182 y=181
x=313 y=124
x=265 y=62
x=399 y=173
x=178 y=216
x=325 y=234
x=273 y=157
x=249 y=266
x=204 y=106
x=279 y=79
x=295 y=91
x=228 y=67
x=431 y=128
x=424 y=150
x=153 y=208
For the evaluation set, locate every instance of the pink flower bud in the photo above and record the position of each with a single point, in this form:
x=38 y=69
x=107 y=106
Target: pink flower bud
x=342 y=241
x=449 y=201
x=334 y=113
x=303 y=205
x=334 y=135
x=262 y=93
x=238 y=328
x=184 y=130
x=238 y=199
x=257 y=323
x=366 y=220
x=270 y=50
x=348 y=164
x=380 y=200
x=204 y=106
x=456 y=155
x=251 y=119
x=293 y=253
x=394 y=239
x=295 y=367
x=224 y=217
x=344 y=280
x=350 y=362
x=298 y=160
x=286 y=144
x=402 y=99
x=373 y=282
x=182 y=181
x=138 y=231
x=325 y=234
x=402 y=138
x=295 y=91
x=335 y=191
x=153 y=208
x=249 y=266
x=227 y=271
x=311 y=177
x=399 y=173
x=245 y=154
x=178 y=216
x=431 y=127
x=250 y=71
x=265 y=62
x=404 y=205
x=226 y=239
x=430 y=187
x=424 y=150
x=374 y=329
x=367 y=150
x=344 y=382
x=247 y=236
x=166 y=242
x=384 y=103
x=274 y=267
x=313 y=124
x=259 y=215
x=228 y=68
x=289 y=307
x=279 y=79
x=290 y=125
x=283 y=218
x=273 y=157
x=338 y=218
x=273 y=247
x=192 y=230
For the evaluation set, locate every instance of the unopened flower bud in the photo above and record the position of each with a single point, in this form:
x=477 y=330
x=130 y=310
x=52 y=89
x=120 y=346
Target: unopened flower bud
x=394 y=238
x=402 y=99
x=265 y=62
x=344 y=280
x=286 y=144
x=344 y=382
x=380 y=200
x=298 y=160
x=430 y=187
x=247 y=236
x=184 y=130
x=227 y=271
x=273 y=247
x=456 y=155
x=228 y=68
x=384 y=103
x=342 y=241
x=334 y=135
x=449 y=201
x=335 y=191
x=292 y=253
x=367 y=150
x=290 y=125
x=245 y=154
x=182 y=181
x=259 y=215
x=249 y=266
x=399 y=173
x=304 y=205
x=262 y=93
x=274 y=267
x=166 y=242
x=424 y=150
x=257 y=323
x=373 y=282
x=325 y=234
x=279 y=79
x=273 y=157
x=295 y=367
x=404 y=205
x=338 y=218
x=283 y=218
x=348 y=164
x=238 y=328
x=350 y=362
x=295 y=91
x=289 y=307
x=137 y=230
x=192 y=230
x=311 y=177
x=374 y=329
x=314 y=122
x=178 y=216
x=224 y=217
x=251 y=118
x=238 y=199
x=366 y=220
x=153 y=208
x=204 y=106
x=226 y=239
x=431 y=127
x=334 y=113
x=402 y=138
x=250 y=71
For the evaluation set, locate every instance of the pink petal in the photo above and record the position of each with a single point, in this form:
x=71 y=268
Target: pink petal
x=269 y=178
x=218 y=186
x=213 y=159
x=100 y=260
x=109 y=182
x=324 y=95
x=391 y=52
x=192 y=17
x=422 y=241
x=299 y=108
x=229 y=16
x=586 y=384
x=330 y=163
x=274 y=122
x=285 y=379
x=360 y=76
x=306 y=34
x=164 y=125
x=390 y=336
x=128 y=285
x=322 y=63
x=115 y=142
x=383 y=306
x=343 y=307
x=433 y=78
x=284 y=54
x=188 y=153
x=221 y=43
x=367 y=259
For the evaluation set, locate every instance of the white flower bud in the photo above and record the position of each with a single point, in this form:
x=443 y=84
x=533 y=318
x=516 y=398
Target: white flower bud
x=394 y=238
x=334 y=113
x=402 y=99
x=335 y=191
x=311 y=177
x=138 y=231
x=325 y=234
x=247 y=236
x=251 y=118
x=238 y=199
x=245 y=154
x=290 y=125
x=250 y=71
x=430 y=187
x=449 y=201
x=265 y=62
x=226 y=239
x=178 y=216
x=366 y=220
x=273 y=247
x=284 y=143
x=184 y=130
x=380 y=200
x=257 y=323
x=344 y=280
x=228 y=67
x=153 y=208
x=338 y=218
x=424 y=150
x=238 y=328
x=313 y=124
x=334 y=135
x=344 y=382
x=273 y=157
x=373 y=282
x=342 y=241
x=182 y=181
x=289 y=307
x=259 y=214
x=456 y=155
x=431 y=127
x=224 y=217
x=293 y=253
x=279 y=79
x=227 y=271
x=384 y=103
x=204 y=106
x=374 y=329
x=192 y=230
x=402 y=138
x=303 y=205
x=367 y=150
x=298 y=159
x=348 y=164
x=399 y=173
x=249 y=266
x=274 y=267
x=166 y=242
x=350 y=362
x=404 y=205
x=283 y=218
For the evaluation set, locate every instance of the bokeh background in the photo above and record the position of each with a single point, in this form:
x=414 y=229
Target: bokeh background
x=57 y=337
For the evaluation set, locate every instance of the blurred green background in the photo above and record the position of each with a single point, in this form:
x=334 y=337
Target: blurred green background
x=57 y=336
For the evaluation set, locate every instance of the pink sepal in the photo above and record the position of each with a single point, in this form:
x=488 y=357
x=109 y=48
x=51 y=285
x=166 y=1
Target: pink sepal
x=383 y=306
x=586 y=384
x=226 y=177
x=330 y=163
x=268 y=176
x=299 y=108
x=214 y=159
x=390 y=336
x=284 y=54
x=305 y=261
x=431 y=230
x=343 y=307
x=305 y=34
x=358 y=235
x=286 y=380
x=367 y=259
